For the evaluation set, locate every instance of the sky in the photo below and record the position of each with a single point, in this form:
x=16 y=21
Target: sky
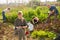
x=12 y=1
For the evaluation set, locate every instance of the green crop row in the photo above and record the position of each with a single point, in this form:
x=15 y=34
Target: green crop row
x=29 y=13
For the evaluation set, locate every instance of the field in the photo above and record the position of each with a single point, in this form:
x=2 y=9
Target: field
x=7 y=30
x=29 y=13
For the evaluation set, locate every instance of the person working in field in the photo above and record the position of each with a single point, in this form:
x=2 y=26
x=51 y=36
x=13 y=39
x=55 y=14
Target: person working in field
x=20 y=25
x=35 y=21
x=52 y=12
x=30 y=27
x=3 y=14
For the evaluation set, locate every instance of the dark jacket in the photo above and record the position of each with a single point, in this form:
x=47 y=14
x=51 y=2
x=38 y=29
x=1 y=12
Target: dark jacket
x=18 y=22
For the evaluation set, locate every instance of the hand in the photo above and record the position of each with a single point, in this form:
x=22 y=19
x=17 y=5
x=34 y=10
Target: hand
x=24 y=26
x=17 y=27
x=48 y=11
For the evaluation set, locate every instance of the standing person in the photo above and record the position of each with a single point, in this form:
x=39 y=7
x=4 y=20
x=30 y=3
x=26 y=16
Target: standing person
x=52 y=12
x=3 y=14
x=20 y=25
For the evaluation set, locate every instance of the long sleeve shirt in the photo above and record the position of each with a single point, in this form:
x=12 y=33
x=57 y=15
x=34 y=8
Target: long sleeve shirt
x=18 y=22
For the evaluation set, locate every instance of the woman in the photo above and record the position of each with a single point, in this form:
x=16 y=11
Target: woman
x=20 y=25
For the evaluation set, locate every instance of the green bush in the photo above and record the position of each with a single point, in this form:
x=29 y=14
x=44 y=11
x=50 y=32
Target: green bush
x=38 y=9
x=29 y=13
x=11 y=18
x=43 y=34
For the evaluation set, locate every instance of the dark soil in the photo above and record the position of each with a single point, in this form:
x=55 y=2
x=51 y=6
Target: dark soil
x=7 y=30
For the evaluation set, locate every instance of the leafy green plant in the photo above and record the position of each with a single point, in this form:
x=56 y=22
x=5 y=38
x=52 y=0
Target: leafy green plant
x=29 y=13
x=51 y=35
x=43 y=34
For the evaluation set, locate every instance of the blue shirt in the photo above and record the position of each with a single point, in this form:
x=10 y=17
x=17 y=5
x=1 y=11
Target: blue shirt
x=55 y=9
